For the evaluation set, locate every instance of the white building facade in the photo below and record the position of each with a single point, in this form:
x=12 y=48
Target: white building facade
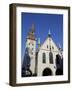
x=47 y=57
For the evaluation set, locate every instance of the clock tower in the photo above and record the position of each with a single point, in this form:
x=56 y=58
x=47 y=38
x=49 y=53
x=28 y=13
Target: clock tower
x=31 y=45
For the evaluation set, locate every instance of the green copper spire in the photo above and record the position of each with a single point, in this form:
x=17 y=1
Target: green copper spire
x=38 y=41
x=26 y=45
x=49 y=33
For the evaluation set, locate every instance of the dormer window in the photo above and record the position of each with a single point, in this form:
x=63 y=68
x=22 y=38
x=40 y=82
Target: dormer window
x=47 y=46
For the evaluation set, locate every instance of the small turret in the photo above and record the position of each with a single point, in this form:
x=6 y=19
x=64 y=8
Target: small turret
x=59 y=46
x=60 y=49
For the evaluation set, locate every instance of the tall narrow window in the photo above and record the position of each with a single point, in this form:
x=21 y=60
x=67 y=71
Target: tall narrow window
x=44 y=58
x=51 y=58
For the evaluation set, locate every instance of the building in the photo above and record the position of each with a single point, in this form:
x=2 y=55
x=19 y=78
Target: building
x=42 y=61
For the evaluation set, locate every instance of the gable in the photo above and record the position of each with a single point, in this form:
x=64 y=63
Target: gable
x=46 y=45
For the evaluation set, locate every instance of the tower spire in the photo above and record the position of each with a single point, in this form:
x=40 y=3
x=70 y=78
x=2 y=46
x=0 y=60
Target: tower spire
x=33 y=26
x=31 y=34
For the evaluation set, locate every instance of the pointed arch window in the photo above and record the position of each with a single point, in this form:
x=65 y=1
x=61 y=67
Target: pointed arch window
x=44 y=58
x=51 y=58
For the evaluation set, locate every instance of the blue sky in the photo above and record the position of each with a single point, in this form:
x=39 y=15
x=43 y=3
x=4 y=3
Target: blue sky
x=42 y=22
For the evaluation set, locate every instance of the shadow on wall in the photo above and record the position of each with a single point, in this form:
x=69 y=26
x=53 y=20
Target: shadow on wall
x=59 y=65
x=26 y=72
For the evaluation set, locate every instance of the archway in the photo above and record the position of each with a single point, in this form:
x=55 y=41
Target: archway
x=59 y=72
x=47 y=72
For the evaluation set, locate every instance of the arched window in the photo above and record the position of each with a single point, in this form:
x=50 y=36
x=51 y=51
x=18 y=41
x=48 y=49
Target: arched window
x=51 y=58
x=44 y=58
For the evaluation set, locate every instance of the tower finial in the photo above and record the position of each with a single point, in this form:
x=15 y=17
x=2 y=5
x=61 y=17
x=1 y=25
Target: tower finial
x=49 y=33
